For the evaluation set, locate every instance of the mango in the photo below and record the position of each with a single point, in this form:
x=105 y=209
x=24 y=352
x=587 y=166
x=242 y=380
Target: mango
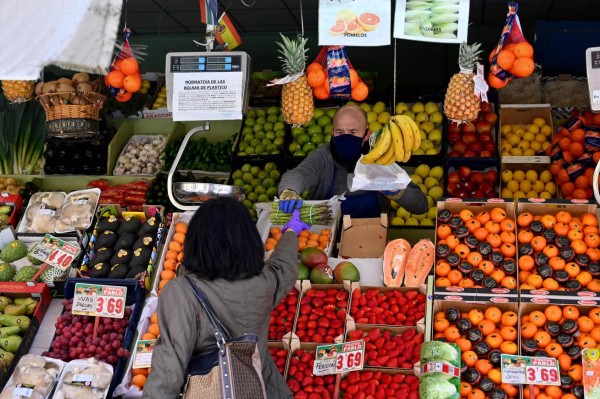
x=321 y=274
x=346 y=271
x=312 y=257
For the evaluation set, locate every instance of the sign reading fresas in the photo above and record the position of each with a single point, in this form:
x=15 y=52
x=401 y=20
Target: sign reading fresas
x=99 y=300
x=55 y=252
x=530 y=370
x=339 y=358
x=143 y=353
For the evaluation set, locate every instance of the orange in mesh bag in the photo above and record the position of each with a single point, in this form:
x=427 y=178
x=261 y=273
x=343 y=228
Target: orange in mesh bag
x=513 y=56
x=124 y=77
x=331 y=75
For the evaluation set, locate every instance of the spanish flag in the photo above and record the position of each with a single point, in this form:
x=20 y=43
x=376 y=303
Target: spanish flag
x=226 y=33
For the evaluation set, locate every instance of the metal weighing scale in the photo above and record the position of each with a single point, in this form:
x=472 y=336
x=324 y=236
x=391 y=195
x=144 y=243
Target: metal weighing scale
x=190 y=195
x=592 y=61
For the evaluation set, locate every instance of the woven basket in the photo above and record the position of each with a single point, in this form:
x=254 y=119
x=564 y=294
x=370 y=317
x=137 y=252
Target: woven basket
x=66 y=119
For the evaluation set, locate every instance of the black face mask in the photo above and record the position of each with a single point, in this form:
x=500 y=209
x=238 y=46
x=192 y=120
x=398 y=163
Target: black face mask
x=347 y=149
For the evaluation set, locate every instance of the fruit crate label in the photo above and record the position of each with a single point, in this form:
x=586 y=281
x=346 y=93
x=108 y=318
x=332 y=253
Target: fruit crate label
x=56 y=252
x=529 y=370
x=143 y=353
x=82 y=380
x=590 y=358
x=24 y=390
x=99 y=300
x=339 y=358
x=440 y=367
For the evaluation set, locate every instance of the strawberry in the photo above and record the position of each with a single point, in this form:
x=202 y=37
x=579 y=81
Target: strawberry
x=354 y=335
x=320 y=320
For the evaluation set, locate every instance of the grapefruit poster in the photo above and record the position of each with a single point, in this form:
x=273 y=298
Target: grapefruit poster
x=354 y=23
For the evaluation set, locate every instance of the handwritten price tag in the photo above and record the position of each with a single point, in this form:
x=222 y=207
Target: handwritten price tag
x=99 y=300
x=55 y=252
x=339 y=358
x=530 y=370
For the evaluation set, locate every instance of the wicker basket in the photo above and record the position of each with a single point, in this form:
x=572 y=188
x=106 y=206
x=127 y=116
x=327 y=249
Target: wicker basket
x=69 y=115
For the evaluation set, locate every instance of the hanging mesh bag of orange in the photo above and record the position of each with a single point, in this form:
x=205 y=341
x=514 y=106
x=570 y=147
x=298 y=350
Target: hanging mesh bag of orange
x=331 y=76
x=124 y=77
x=513 y=55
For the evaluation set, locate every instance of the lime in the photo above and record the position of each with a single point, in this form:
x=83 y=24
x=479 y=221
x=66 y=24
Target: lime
x=279 y=141
x=378 y=107
x=250 y=122
x=247 y=188
x=308 y=147
x=268 y=182
x=238 y=182
x=263 y=198
x=273 y=110
x=318 y=112
x=246 y=130
x=278 y=126
x=271 y=118
x=375 y=126
x=275 y=175
x=237 y=174
x=293 y=147
x=327 y=129
x=270 y=135
x=252 y=196
x=327 y=138
x=299 y=153
x=426 y=222
x=317 y=139
x=260 y=190
x=303 y=139
x=371 y=117
x=260 y=149
x=315 y=129
x=297 y=131
x=251 y=114
x=248 y=138
x=366 y=107
x=261 y=112
x=266 y=141
x=324 y=120
x=243 y=145
x=268 y=126
x=250 y=150
x=255 y=170
x=263 y=174
x=309 y=123
x=270 y=166
x=271 y=148
x=255 y=183
x=272 y=192
x=260 y=135
x=246 y=167
x=242 y=153
x=331 y=112
x=281 y=119
x=420 y=216
x=258 y=128
x=280 y=133
x=247 y=178
x=247 y=203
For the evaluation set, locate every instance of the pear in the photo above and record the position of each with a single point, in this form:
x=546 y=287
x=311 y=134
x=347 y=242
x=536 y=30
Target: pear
x=15 y=310
x=6 y=357
x=11 y=344
x=19 y=321
x=29 y=302
x=4 y=300
x=8 y=331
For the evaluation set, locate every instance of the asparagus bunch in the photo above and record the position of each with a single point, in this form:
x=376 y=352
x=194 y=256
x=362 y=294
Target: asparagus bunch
x=319 y=214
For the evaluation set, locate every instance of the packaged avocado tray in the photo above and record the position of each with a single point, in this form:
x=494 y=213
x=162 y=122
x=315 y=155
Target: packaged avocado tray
x=124 y=245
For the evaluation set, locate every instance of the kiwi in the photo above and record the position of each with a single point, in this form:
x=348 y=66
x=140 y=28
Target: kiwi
x=141 y=257
x=100 y=270
x=110 y=223
x=129 y=225
x=150 y=227
x=125 y=241
x=122 y=256
x=106 y=239
x=119 y=270
x=144 y=241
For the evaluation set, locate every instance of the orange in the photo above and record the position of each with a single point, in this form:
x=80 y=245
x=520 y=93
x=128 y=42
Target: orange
x=584 y=278
x=526 y=263
x=487 y=327
x=162 y=284
x=444 y=231
x=474 y=258
x=483 y=366
x=359 y=92
x=493 y=227
x=523 y=49
x=115 y=78
x=564 y=360
x=476 y=394
x=170 y=264
x=451 y=334
x=476 y=316
x=576 y=372
x=561 y=229
x=175 y=246
x=129 y=66
x=550 y=284
x=440 y=325
x=496 y=82
x=508 y=250
x=551 y=251
x=442 y=282
x=315 y=78
x=538 y=243
x=354 y=79
x=528 y=330
x=507 y=225
x=154 y=330
x=595 y=333
x=139 y=381
x=466 y=214
x=314 y=66
x=171 y=255
x=509 y=333
x=509 y=347
x=524 y=236
x=509 y=319
x=510 y=390
x=524 y=219
x=494 y=340
x=487 y=267
x=464 y=344
x=466 y=283
x=594 y=315
x=508 y=237
x=553 y=313
x=148 y=336
x=557 y=263
x=179 y=237
x=589 y=219
x=493 y=313
x=535 y=280
x=132 y=83
x=181 y=227
x=472 y=225
x=167 y=275
x=585 y=324
x=505 y=59
x=483 y=217
x=496 y=376
x=465 y=389
x=498 y=214
x=553 y=392
x=588 y=342
x=563 y=217
x=123 y=96
x=154 y=318
x=452 y=241
x=442 y=269
x=469 y=357
x=554 y=350
x=139 y=371
x=579 y=246
x=538 y=318
x=494 y=239
x=542 y=338
x=509 y=282
x=548 y=221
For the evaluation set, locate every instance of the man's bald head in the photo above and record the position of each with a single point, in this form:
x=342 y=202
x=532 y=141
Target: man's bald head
x=350 y=119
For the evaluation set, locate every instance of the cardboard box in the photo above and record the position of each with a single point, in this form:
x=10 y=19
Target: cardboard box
x=455 y=205
x=288 y=334
x=16 y=202
x=291 y=369
x=370 y=269
x=536 y=165
x=363 y=237
x=525 y=114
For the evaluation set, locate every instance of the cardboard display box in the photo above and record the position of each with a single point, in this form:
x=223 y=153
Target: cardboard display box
x=536 y=164
x=525 y=114
x=363 y=238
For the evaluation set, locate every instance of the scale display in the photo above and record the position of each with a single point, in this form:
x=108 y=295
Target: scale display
x=208 y=64
x=592 y=60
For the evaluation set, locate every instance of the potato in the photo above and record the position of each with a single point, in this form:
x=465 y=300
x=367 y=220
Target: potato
x=50 y=87
x=80 y=77
x=65 y=91
x=39 y=88
x=84 y=88
x=65 y=81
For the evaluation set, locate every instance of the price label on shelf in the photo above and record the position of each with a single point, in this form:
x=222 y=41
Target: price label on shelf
x=339 y=358
x=55 y=252
x=530 y=370
x=143 y=353
x=99 y=300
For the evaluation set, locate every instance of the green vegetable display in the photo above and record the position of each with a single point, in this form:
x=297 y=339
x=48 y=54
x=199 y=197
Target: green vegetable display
x=200 y=155
x=435 y=351
x=320 y=214
x=433 y=387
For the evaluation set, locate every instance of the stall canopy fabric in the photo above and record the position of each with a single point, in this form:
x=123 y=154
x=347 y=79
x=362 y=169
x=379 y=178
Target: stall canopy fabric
x=72 y=34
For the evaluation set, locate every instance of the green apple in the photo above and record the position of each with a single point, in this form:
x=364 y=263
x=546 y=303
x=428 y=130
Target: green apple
x=412 y=222
x=421 y=117
x=422 y=170
x=435 y=192
x=401 y=108
x=416 y=179
x=418 y=107
x=420 y=216
x=435 y=136
x=431 y=182
x=402 y=213
x=397 y=221
x=427 y=126
x=426 y=222
x=432 y=213
x=318 y=113
x=436 y=117
x=437 y=172
x=431 y=107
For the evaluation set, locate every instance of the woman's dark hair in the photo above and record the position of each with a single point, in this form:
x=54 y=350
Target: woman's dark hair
x=222 y=242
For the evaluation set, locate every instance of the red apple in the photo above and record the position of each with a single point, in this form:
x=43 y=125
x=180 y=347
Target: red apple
x=491 y=176
x=476 y=146
x=477 y=177
x=491 y=194
x=478 y=194
x=489 y=146
x=454 y=127
x=468 y=128
x=453 y=137
x=470 y=154
x=485 y=186
x=460 y=146
x=483 y=127
x=469 y=137
x=485 y=154
x=464 y=172
x=491 y=118
x=468 y=186
x=454 y=154
x=453 y=177
x=484 y=137
x=485 y=107
x=452 y=188
x=462 y=194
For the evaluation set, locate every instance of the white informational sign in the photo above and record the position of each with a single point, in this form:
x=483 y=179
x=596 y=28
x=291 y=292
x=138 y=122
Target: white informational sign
x=530 y=370
x=355 y=22
x=438 y=22
x=339 y=358
x=207 y=96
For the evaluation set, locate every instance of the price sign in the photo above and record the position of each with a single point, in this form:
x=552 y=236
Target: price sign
x=339 y=358
x=143 y=353
x=530 y=370
x=55 y=252
x=99 y=300
x=590 y=358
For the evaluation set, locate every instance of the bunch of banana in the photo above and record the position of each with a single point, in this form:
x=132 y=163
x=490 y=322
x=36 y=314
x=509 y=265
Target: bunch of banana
x=397 y=140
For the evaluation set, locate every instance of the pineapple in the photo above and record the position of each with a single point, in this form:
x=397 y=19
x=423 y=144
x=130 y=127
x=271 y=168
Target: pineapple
x=296 y=97
x=17 y=91
x=461 y=104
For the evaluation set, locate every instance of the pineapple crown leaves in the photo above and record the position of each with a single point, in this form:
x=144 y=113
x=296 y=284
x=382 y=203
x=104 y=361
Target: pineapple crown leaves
x=468 y=56
x=293 y=53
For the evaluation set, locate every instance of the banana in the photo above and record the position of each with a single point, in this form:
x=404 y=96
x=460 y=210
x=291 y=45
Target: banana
x=416 y=133
x=407 y=135
x=381 y=146
x=397 y=140
x=388 y=158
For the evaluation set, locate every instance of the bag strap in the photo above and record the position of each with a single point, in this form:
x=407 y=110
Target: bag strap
x=220 y=331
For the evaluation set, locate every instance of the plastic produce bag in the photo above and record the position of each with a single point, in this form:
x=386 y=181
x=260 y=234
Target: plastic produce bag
x=373 y=177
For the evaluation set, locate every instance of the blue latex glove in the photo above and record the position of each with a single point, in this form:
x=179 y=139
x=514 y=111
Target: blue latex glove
x=296 y=224
x=289 y=200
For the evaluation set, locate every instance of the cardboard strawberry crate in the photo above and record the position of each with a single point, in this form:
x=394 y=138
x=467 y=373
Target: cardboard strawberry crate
x=504 y=282
x=388 y=347
x=299 y=374
x=376 y=382
x=39 y=292
x=582 y=268
x=475 y=329
x=280 y=352
x=285 y=314
x=314 y=315
x=408 y=300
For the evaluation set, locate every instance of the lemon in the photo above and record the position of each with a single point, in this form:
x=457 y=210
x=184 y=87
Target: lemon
x=402 y=213
x=532 y=194
x=423 y=171
x=546 y=176
x=513 y=139
x=418 y=151
x=383 y=117
x=506 y=147
x=435 y=193
x=547 y=130
x=513 y=186
x=531 y=175
x=506 y=129
x=529 y=136
x=416 y=179
x=506 y=193
x=550 y=187
x=366 y=107
x=378 y=107
x=545 y=195
x=520 y=194
x=437 y=172
x=432 y=151
x=538 y=186
x=545 y=145
x=426 y=222
x=540 y=137
x=516 y=152
x=524 y=145
x=536 y=146
x=530 y=152
x=432 y=213
x=539 y=122
x=372 y=117
x=375 y=126
x=519 y=131
x=506 y=176
x=418 y=107
x=397 y=221
x=525 y=186
x=533 y=128
x=505 y=154
x=519 y=175
x=401 y=108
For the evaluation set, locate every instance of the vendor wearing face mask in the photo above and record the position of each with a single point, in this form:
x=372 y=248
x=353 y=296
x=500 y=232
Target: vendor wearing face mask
x=324 y=173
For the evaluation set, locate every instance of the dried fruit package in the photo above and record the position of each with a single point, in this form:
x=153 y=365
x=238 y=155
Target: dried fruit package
x=513 y=55
x=331 y=75
x=124 y=77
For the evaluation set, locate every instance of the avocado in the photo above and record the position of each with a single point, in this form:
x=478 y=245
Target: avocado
x=150 y=227
x=119 y=270
x=122 y=256
x=125 y=241
x=110 y=223
x=103 y=255
x=100 y=270
x=141 y=257
x=135 y=271
x=129 y=225
x=106 y=239
x=144 y=241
